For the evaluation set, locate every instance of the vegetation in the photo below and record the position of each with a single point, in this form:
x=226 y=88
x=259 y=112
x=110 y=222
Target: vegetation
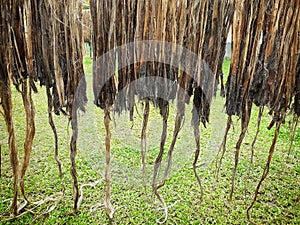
x=278 y=200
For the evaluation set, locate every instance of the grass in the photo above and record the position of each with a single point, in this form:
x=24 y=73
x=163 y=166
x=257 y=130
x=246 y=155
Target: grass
x=278 y=201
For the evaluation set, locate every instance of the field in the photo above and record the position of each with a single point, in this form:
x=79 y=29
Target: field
x=278 y=200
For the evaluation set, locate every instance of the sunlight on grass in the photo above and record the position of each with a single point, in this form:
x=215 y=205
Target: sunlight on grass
x=278 y=202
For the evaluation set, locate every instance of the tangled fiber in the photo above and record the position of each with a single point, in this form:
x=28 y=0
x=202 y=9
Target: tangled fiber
x=156 y=52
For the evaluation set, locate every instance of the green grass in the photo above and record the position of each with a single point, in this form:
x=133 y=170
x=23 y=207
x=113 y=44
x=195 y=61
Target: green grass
x=226 y=67
x=278 y=201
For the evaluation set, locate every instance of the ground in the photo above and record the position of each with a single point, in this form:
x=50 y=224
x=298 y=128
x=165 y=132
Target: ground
x=278 y=200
